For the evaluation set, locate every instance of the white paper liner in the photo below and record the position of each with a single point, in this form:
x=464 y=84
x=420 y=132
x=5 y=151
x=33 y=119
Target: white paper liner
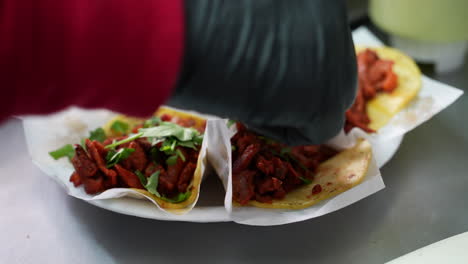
x=431 y=99
x=267 y=217
x=45 y=134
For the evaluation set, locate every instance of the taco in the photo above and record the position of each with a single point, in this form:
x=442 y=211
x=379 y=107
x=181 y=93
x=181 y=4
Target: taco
x=388 y=81
x=268 y=174
x=158 y=157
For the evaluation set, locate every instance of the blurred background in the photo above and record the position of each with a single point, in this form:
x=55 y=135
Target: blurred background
x=433 y=32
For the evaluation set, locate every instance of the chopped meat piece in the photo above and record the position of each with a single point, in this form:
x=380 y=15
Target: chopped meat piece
x=75 y=178
x=145 y=144
x=374 y=75
x=243 y=186
x=128 y=177
x=265 y=166
x=186 y=176
x=245 y=159
x=263 y=198
x=268 y=184
x=84 y=166
x=94 y=185
x=138 y=158
x=280 y=169
x=173 y=172
x=98 y=157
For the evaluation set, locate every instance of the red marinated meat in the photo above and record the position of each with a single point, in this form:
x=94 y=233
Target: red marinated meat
x=244 y=160
x=265 y=166
x=75 y=179
x=280 y=193
x=263 y=198
x=129 y=178
x=280 y=169
x=98 y=157
x=165 y=186
x=244 y=141
x=84 y=166
x=268 y=184
x=94 y=185
x=137 y=158
x=243 y=186
x=173 y=171
x=166 y=117
x=262 y=173
x=144 y=144
x=374 y=75
x=185 y=177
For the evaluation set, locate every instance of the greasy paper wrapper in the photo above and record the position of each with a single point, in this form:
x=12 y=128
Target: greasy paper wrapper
x=44 y=134
x=431 y=99
x=220 y=157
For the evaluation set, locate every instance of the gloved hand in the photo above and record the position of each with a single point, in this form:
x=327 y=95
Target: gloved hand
x=285 y=68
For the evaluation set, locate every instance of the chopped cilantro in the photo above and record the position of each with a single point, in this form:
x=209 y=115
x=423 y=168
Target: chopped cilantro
x=305 y=180
x=114 y=157
x=172 y=160
x=151 y=185
x=168 y=129
x=230 y=123
x=65 y=151
x=98 y=134
x=152 y=122
x=119 y=127
x=123 y=141
x=179 y=153
x=187 y=144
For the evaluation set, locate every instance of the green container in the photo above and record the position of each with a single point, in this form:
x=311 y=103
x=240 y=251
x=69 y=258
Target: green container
x=442 y=21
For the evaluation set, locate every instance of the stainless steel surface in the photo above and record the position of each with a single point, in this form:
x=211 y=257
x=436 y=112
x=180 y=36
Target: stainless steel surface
x=425 y=200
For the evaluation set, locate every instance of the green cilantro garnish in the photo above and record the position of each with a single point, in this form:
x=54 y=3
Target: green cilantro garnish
x=187 y=144
x=68 y=151
x=119 y=127
x=123 y=141
x=65 y=151
x=114 y=157
x=168 y=129
x=152 y=122
x=179 y=153
x=233 y=148
x=286 y=154
x=172 y=160
x=162 y=132
x=305 y=180
x=230 y=123
x=151 y=185
x=98 y=134
x=285 y=151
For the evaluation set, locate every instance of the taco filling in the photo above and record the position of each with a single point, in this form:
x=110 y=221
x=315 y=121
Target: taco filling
x=263 y=170
x=158 y=156
x=375 y=76
x=388 y=81
x=269 y=174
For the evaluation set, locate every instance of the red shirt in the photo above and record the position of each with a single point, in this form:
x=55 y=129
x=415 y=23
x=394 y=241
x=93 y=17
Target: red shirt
x=124 y=55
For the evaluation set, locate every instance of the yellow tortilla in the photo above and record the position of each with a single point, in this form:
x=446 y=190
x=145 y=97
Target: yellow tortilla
x=197 y=177
x=336 y=175
x=386 y=105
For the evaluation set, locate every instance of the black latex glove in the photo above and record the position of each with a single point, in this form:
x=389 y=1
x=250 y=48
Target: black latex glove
x=286 y=68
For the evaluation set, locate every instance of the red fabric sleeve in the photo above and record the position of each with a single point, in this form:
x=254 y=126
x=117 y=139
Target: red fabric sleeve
x=124 y=55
